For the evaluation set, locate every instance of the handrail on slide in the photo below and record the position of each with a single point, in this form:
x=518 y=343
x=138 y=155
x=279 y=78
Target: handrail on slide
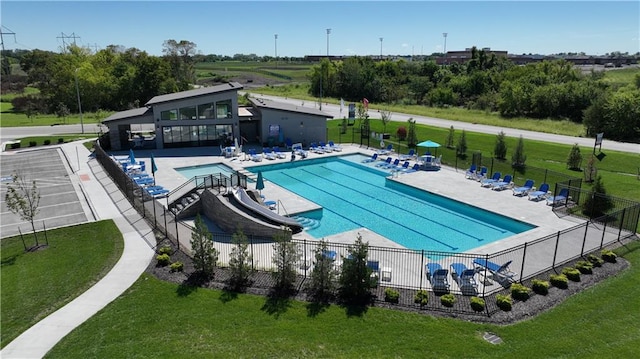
x=241 y=196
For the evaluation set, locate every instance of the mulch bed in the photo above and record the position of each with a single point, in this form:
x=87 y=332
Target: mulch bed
x=536 y=304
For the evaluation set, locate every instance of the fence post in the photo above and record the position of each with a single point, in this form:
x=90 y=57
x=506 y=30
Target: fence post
x=304 y=248
x=584 y=238
x=177 y=232
x=251 y=246
x=524 y=257
x=604 y=230
x=164 y=213
x=545 y=175
x=421 y=268
x=555 y=252
x=620 y=226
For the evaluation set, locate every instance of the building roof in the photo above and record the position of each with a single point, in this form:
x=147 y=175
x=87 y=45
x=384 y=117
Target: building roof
x=283 y=106
x=136 y=112
x=203 y=91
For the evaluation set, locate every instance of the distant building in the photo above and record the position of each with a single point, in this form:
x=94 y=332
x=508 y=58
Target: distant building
x=461 y=57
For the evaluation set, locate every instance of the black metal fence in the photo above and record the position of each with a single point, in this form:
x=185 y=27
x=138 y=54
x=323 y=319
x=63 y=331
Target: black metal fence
x=403 y=269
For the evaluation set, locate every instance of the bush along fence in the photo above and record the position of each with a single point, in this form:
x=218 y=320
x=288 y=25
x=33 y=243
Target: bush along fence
x=418 y=276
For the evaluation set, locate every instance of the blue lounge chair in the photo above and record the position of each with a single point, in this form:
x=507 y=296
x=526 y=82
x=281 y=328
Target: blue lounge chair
x=465 y=278
x=157 y=192
x=409 y=155
x=277 y=153
x=393 y=165
x=501 y=273
x=144 y=181
x=332 y=255
x=504 y=184
x=471 y=172
x=268 y=154
x=438 y=277
x=374 y=157
x=415 y=168
x=254 y=156
x=559 y=199
x=386 y=150
x=523 y=190
x=487 y=182
x=404 y=167
x=324 y=147
x=540 y=194
x=297 y=148
x=334 y=147
x=386 y=162
x=481 y=175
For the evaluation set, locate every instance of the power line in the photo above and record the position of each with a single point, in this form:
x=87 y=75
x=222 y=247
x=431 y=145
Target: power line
x=63 y=37
x=6 y=67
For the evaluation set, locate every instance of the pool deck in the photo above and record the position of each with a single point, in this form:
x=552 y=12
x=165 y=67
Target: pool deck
x=447 y=182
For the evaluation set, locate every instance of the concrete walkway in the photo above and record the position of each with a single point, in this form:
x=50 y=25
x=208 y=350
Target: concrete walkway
x=107 y=202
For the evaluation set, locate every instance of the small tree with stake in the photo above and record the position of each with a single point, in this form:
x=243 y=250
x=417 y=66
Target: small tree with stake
x=323 y=275
x=518 y=159
x=285 y=257
x=240 y=262
x=500 y=149
x=23 y=199
x=205 y=256
x=575 y=158
x=355 y=280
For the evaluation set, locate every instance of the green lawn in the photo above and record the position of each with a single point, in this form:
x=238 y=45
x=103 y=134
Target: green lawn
x=35 y=284
x=155 y=319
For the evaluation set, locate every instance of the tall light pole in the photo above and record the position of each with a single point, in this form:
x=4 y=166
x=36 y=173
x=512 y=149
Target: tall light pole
x=276 y=44
x=79 y=103
x=444 y=34
x=381 y=47
x=328 y=32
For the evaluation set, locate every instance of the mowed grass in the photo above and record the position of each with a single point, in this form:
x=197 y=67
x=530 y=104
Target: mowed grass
x=156 y=319
x=619 y=170
x=35 y=284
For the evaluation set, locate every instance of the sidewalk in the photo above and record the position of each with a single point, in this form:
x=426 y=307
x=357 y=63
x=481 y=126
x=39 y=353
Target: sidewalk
x=106 y=202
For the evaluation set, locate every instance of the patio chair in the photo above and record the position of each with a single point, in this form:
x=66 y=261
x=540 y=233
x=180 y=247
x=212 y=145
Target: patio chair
x=487 y=182
x=386 y=162
x=334 y=147
x=408 y=156
x=504 y=184
x=559 y=199
x=523 y=190
x=268 y=154
x=278 y=154
x=471 y=172
x=438 y=277
x=374 y=157
x=386 y=151
x=465 y=278
x=501 y=273
x=479 y=176
x=540 y=194
x=415 y=168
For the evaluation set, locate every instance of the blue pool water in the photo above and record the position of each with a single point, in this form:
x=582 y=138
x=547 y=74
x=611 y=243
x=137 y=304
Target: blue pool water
x=192 y=171
x=354 y=196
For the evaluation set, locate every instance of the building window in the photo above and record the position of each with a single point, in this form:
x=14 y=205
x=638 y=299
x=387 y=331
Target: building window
x=205 y=111
x=169 y=115
x=223 y=109
x=188 y=113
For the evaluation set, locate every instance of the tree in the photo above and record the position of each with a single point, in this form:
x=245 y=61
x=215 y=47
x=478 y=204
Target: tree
x=285 y=257
x=23 y=199
x=385 y=116
x=575 y=158
x=62 y=111
x=461 y=149
x=597 y=203
x=180 y=56
x=239 y=262
x=323 y=275
x=355 y=280
x=450 y=136
x=500 y=149
x=518 y=159
x=412 y=135
x=205 y=256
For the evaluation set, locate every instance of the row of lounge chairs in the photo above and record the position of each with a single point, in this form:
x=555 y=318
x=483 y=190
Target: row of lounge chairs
x=394 y=165
x=466 y=277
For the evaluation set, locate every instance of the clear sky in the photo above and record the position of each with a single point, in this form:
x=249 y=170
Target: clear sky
x=409 y=27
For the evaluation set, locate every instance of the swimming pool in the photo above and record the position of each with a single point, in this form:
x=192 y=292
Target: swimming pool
x=354 y=196
x=215 y=168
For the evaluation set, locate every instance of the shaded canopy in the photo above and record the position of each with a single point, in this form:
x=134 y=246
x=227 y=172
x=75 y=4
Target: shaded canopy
x=429 y=144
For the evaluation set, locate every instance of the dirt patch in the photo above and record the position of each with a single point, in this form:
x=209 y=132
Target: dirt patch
x=536 y=304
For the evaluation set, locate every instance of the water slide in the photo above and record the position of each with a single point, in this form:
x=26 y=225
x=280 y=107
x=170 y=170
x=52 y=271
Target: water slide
x=247 y=202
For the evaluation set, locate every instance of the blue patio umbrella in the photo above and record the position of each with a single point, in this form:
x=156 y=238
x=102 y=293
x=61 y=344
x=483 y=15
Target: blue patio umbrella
x=429 y=144
x=260 y=182
x=132 y=158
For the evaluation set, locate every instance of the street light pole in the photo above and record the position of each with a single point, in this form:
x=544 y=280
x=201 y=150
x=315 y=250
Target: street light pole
x=276 y=44
x=328 y=32
x=381 y=48
x=444 y=34
x=79 y=103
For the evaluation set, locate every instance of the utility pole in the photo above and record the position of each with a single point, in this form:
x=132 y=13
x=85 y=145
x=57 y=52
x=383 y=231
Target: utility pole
x=63 y=37
x=381 y=48
x=444 y=34
x=328 y=32
x=6 y=67
x=79 y=103
x=276 y=42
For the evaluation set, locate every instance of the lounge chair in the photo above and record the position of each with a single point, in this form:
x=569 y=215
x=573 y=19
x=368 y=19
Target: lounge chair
x=504 y=184
x=374 y=157
x=386 y=151
x=404 y=167
x=438 y=277
x=487 y=182
x=324 y=147
x=157 y=192
x=393 y=165
x=540 y=194
x=437 y=161
x=332 y=255
x=313 y=147
x=254 y=156
x=559 y=199
x=471 y=172
x=268 y=154
x=276 y=151
x=334 y=147
x=523 y=190
x=297 y=148
x=465 y=278
x=415 y=168
x=501 y=273
x=482 y=174
x=144 y=181
x=409 y=155
x=386 y=162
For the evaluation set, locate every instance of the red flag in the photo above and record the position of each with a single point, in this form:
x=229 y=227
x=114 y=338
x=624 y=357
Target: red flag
x=365 y=102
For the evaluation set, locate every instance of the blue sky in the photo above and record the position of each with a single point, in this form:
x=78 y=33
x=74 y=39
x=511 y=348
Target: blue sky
x=409 y=27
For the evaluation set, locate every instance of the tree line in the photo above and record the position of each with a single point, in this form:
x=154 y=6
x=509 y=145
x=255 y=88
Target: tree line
x=545 y=90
